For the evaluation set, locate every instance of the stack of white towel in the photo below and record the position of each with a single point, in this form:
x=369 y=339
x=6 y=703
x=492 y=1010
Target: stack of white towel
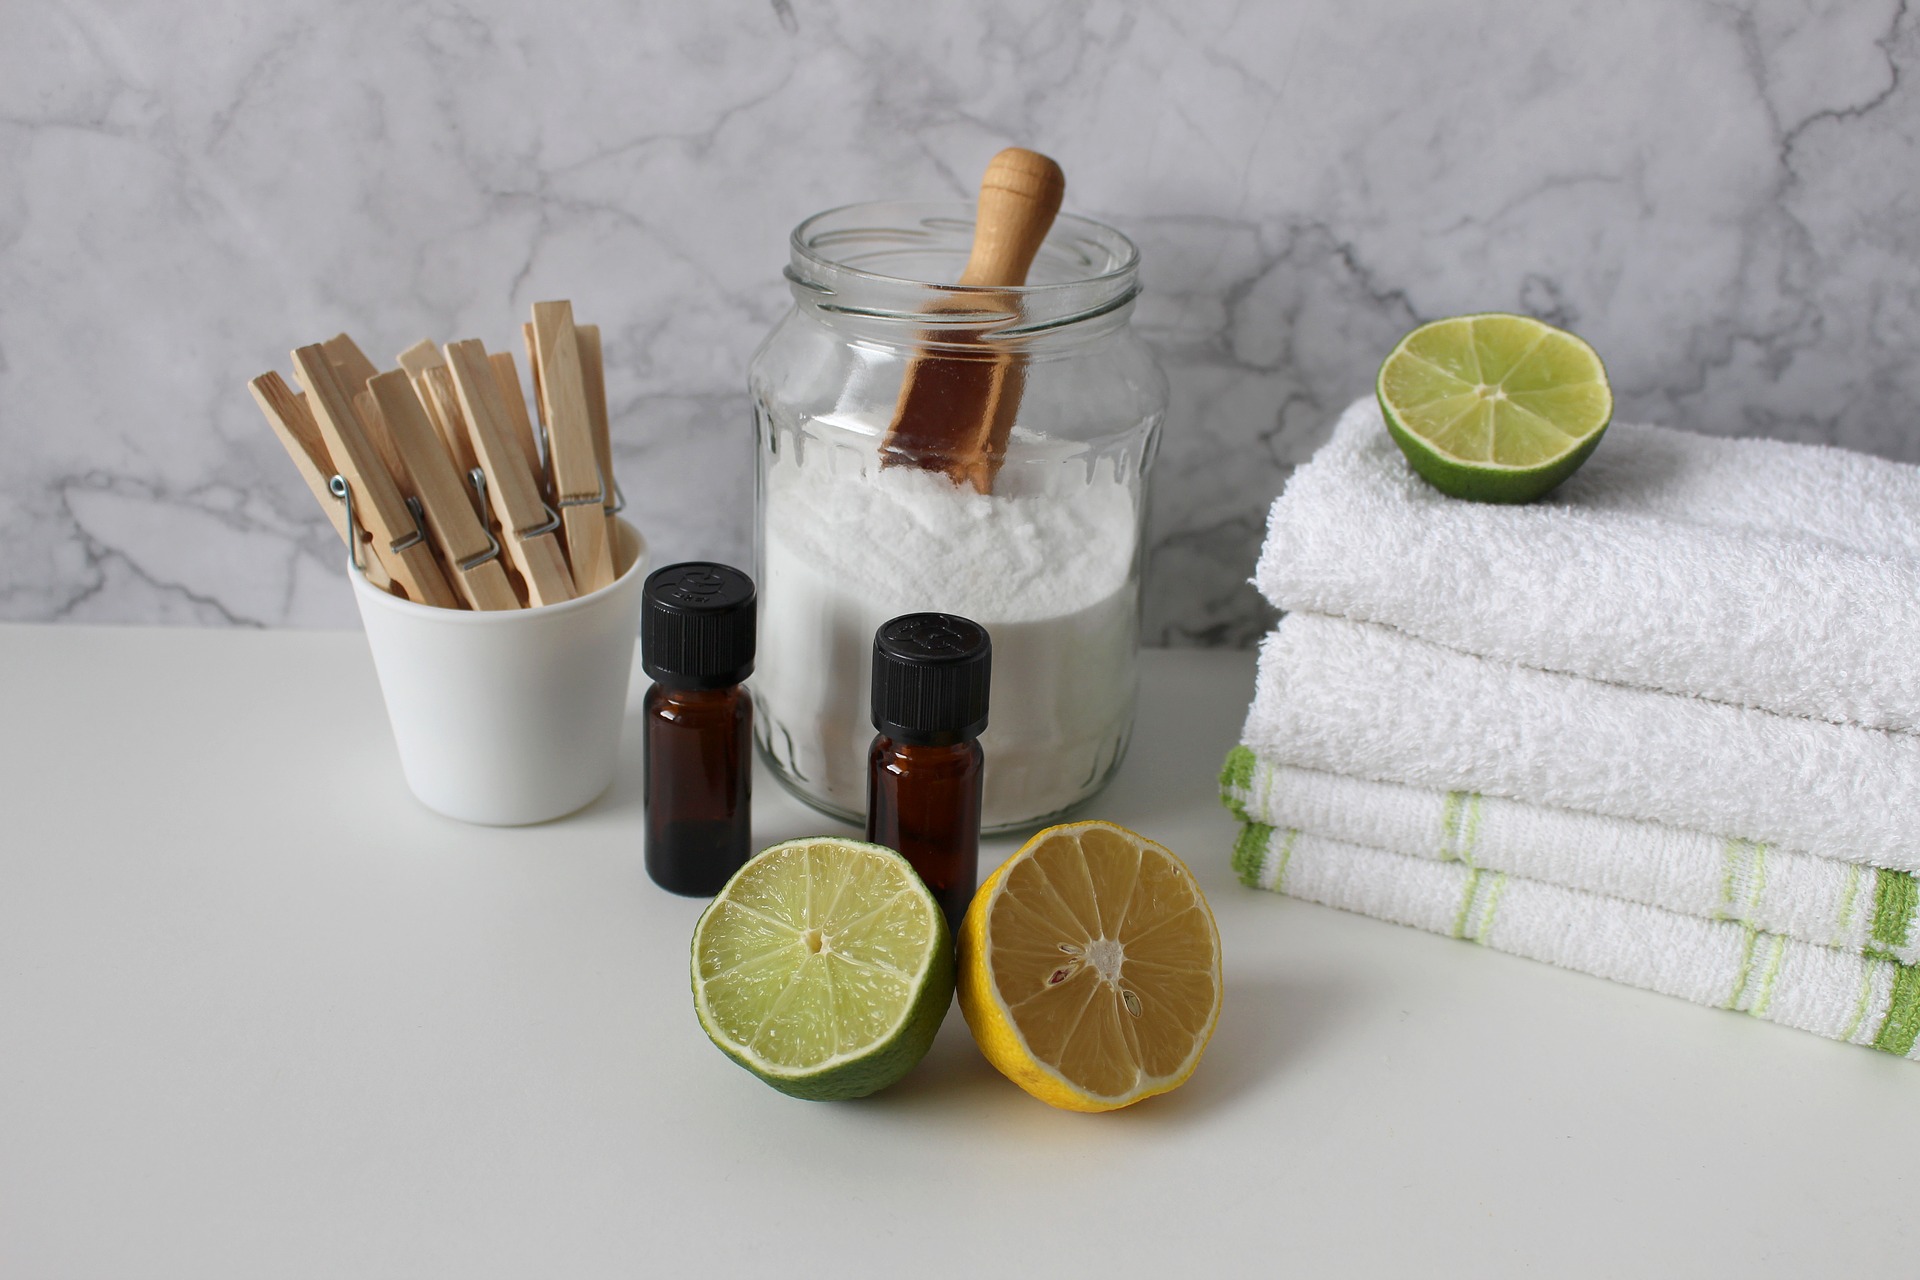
x=1662 y=726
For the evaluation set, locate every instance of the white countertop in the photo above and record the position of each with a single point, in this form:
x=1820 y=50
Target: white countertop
x=263 y=1014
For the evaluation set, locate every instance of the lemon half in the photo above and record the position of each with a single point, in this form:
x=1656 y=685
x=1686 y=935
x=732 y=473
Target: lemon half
x=1089 y=968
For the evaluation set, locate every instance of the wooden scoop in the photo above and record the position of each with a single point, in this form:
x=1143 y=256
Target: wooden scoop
x=957 y=405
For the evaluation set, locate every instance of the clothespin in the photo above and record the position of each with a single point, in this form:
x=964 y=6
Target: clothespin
x=434 y=387
x=580 y=488
x=545 y=473
x=398 y=540
x=465 y=543
x=353 y=369
x=594 y=375
x=529 y=527
x=508 y=376
x=291 y=420
x=349 y=361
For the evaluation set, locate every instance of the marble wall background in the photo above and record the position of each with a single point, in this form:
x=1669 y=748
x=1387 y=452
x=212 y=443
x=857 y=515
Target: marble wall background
x=1721 y=196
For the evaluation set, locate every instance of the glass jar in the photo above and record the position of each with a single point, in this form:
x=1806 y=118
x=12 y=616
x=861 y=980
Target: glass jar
x=851 y=530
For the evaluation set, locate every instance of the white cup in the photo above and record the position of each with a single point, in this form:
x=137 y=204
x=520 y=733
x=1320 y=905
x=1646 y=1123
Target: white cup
x=511 y=716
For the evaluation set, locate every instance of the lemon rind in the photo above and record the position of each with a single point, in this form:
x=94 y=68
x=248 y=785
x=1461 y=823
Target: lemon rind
x=1150 y=1087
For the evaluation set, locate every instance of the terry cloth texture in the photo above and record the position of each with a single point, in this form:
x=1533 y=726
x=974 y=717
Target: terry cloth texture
x=1863 y=910
x=1712 y=962
x=1754 y=572
x=1362 y=700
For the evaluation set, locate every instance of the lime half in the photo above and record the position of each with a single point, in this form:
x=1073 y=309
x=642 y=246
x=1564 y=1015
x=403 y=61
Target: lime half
x=824 y=967
x=1494 y=408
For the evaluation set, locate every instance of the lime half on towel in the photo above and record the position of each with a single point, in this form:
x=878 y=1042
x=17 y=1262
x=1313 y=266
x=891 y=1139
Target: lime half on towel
x=824 y=967
x=1494 y=408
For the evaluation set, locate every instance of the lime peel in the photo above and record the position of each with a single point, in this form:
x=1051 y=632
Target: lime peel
x=824 y=967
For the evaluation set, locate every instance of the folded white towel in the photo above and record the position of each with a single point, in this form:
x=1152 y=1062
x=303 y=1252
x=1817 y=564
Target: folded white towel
x=1755 y=572
x=1353 y=698
x=1817 y=900
x=1712 y=962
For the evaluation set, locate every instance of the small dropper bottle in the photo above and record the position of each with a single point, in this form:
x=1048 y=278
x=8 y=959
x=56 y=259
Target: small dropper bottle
x=930 y=680
x=696 y=641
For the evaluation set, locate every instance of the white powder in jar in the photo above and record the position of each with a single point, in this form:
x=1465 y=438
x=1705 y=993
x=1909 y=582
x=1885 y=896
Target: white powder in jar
x=1045 y=564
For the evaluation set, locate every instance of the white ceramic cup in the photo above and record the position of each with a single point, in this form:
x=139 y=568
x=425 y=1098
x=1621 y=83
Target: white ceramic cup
x=513 y=716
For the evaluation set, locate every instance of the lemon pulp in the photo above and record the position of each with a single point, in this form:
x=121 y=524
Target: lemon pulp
x=1090 y=968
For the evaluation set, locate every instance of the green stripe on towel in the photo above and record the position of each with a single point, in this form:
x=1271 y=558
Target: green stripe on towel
x=1450 y=827
x=1784 y=980
x=1236 y=778
x=1250 y=853
x=1746 y=968
x=1468 y=890
x=1894 y=896
x=1280 y=862
x=1765 y=998
x=1902 y=1022
x=1846 y=906
x=1860 y=1006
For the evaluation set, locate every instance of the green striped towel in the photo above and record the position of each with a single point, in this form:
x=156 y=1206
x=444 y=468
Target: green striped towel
x=1802 y=896
x=1859 y=999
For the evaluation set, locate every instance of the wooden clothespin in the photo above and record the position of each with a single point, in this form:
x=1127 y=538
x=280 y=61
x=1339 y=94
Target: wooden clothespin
x=349 y=361
x=434 y=386
x=398 y=540
x=580 y=489
x=440 y=389
x=529 y=527
x=508 y=376
x=465 y=543
x=545 y=473
x=291 y=420
x=594 y=375
x=353 y=369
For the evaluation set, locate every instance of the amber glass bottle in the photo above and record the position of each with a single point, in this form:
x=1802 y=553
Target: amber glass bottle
x=697 y=641
x=931 y=673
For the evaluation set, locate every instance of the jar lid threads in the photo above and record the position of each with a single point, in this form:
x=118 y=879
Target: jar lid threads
x=931 y=675
x=697 y=625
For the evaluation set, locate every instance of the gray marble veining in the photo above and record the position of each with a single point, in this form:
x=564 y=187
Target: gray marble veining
x=1720 y=196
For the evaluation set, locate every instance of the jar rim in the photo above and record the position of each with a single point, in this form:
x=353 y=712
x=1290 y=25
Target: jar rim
x=921 y=229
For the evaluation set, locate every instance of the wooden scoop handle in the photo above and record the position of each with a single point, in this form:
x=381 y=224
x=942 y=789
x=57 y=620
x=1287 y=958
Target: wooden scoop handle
x=1019 y=196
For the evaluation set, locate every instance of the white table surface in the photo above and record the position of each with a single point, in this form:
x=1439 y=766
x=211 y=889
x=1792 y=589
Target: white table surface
x=262 y=1014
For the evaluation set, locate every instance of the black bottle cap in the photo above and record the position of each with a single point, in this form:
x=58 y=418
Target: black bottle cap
x=930 y=678
x=697 y=625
